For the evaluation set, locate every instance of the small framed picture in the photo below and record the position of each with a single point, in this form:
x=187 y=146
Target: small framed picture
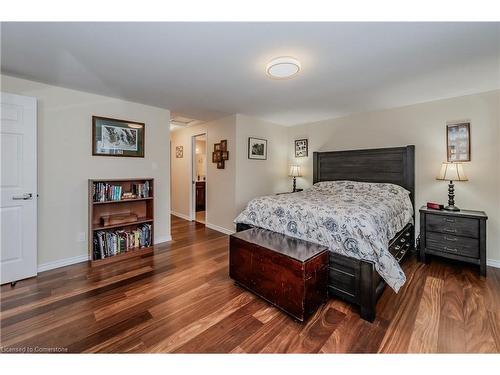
x=217 y=147
x=225 y=155
x=113 y=137
x=179 y=152
x=257 y=148
x=458 y=141
x=216 y=156
x=223 y=145
x=301 y=148
x=220 y=164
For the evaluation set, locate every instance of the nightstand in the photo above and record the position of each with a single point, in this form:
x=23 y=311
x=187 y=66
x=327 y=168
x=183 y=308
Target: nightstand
x=459 y=235
x=290 y=192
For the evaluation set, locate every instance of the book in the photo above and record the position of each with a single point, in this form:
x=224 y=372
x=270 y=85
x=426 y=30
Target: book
x=103 y=192
x=110 y=243
x=141 y=190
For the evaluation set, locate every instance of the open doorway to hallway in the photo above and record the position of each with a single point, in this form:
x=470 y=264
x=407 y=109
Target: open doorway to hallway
x=199 y=177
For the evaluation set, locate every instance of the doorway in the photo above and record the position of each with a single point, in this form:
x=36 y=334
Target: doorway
x=199 y=178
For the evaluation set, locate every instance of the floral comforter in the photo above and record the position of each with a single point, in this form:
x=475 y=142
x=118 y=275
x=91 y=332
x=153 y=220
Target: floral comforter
x=356 y=219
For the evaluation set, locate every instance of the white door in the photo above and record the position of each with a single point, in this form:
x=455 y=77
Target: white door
x=18 y=185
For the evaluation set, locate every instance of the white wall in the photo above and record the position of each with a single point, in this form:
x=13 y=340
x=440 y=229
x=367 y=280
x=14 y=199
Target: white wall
x=65 y=162
x=220 y=192
x=260 y=177
x=424 y=126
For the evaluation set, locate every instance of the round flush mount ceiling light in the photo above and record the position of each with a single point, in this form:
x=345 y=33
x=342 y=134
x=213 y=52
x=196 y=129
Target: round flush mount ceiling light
x=283 y=68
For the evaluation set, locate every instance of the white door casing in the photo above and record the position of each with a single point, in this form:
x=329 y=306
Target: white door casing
x=18 y=185
x=192 y=199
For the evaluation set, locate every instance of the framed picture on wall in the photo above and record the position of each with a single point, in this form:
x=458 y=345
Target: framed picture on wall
x=301 y=148
x=216 y=156
x=179 y=152
x=458 y=141
x=257 y=148
x=113 y=137
x=223 y=145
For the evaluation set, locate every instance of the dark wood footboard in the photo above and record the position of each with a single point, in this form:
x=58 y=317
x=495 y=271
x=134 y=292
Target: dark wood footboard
x=356 y=281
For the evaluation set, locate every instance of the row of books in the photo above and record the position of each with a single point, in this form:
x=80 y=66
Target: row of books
x=110 y=243
x=141 y=190
x=104 y=192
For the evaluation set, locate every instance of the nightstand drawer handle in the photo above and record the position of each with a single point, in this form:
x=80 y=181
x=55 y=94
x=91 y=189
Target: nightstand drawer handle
x=449 y=230
x=402 y=240
x=450 y=239
x=407 y=234
x=450 y=249
x=449 y=220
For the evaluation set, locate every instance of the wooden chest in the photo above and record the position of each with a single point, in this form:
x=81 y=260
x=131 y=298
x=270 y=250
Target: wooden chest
x=291 y=274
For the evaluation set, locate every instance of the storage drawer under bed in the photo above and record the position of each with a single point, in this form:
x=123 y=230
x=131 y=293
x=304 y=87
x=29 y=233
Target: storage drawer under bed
x=343 y=277
x=344 y=272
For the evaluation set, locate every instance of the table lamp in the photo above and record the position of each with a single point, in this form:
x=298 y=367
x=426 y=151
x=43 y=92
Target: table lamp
x=294 y=172
x=451 y=172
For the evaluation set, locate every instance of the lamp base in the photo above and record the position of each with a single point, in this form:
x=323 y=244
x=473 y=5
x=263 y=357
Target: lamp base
x=451 y=198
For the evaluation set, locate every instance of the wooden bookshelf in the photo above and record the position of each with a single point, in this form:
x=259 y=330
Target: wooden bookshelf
x=142 y=207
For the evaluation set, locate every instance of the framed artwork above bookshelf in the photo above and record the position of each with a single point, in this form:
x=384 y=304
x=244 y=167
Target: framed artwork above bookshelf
x=113 y=137
x=121 y=219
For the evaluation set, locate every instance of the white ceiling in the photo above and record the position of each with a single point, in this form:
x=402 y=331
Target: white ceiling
x=207 y=70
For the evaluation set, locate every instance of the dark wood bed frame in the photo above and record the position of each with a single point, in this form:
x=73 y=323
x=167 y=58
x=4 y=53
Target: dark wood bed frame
x=351 y=279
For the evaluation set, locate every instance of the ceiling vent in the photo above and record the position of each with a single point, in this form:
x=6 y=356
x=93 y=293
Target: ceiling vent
x=177 y=121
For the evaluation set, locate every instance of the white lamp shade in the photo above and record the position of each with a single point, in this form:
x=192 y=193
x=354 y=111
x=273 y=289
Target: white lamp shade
x=452 y=172
x=294 y=171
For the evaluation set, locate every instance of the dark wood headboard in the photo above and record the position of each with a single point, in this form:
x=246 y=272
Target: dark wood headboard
x=395 y=165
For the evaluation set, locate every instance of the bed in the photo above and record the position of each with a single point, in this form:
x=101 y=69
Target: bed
x=346 y=179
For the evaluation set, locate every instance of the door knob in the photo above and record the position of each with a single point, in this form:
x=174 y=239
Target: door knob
x=23 y=197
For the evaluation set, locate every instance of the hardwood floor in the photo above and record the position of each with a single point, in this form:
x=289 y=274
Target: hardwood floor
x=181 y=300
x=200 y=217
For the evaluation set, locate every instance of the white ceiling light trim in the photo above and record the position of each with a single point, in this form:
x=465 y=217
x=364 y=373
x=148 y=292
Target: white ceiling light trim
x=283 y=68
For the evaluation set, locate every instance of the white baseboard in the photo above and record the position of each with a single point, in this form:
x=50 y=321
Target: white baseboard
x=182 y=216
x=163 y=239
x=82 y=258
x=208 y=225
x=62 y=263
x=219 y=229
x=493 y=263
